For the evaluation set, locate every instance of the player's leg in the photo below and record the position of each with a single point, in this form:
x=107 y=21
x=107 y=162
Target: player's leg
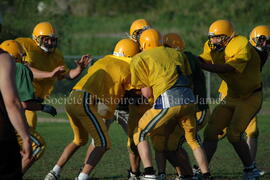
x=135 y=113
x=97 y=129
x=188 y=123
x=219 y=119
x=245 y=110
x=80 y=136
x=252 y=132
x=152 y=120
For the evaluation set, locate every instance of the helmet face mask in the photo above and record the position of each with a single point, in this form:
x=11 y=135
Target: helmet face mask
x=47 y=43
x=218 y=42
x=262 y=43
x=137 y=33
x=219 y=35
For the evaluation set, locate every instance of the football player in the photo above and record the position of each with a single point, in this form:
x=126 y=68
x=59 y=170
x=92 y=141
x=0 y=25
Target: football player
x=175 y=41
x=234 y=59
x=172 y=69
x=260 y=39
x=25 y=90
x=42 y=55
x=93 y=99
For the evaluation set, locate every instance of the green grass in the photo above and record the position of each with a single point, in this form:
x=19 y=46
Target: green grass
x=225 y=165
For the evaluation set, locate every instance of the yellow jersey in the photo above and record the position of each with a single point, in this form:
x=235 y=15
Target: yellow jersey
x=40 y=60
x=157 y=68
x=240 y=55
x=107 y=80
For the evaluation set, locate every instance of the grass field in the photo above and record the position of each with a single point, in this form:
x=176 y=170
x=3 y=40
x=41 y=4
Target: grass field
x=225 y=165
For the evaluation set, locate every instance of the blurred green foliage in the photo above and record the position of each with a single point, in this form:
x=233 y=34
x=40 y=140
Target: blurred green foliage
x=94 y=26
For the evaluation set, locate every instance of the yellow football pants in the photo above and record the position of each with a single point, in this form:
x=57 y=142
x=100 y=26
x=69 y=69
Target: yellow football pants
x=85 y=120
x=177 y=137
x=234 y=114
x=31 y=117
x=135 y=113
x=161 y=123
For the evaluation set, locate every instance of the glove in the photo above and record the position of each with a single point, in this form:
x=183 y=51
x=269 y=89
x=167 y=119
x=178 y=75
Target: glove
x=49 y=109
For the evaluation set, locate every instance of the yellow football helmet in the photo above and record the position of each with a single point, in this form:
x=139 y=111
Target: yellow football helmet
x=173 y=40
x=219 y=34
x=150 y=38
x=126 y=48
x=137 y=27
x=14 y=49
x=260 y=38
x=44 y=35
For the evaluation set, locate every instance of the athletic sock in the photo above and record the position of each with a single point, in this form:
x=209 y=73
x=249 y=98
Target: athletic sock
x=82 y=176
x=56 y=169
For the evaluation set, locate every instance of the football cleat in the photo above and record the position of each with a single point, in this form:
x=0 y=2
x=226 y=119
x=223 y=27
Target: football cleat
x=185 y=178
x=52 y=176
x=132 y=176
x=252 y=174
x=162 y=176
x=149 y=177
x=197 y=172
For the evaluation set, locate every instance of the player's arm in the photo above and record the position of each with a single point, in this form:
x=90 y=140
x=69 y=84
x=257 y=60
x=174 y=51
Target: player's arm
x=12 y=102
x=33 y=105
x=80 y=66
x=216 y=68
x=38 y=74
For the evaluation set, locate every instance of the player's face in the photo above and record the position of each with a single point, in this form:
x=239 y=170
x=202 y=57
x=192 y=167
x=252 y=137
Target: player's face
x=50 y=43
x=49 y=40
x=217 y=43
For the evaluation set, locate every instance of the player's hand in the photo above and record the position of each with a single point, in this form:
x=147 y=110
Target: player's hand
x=26 y=151
x=84 y=61
x=49 y=109
x=58 y=71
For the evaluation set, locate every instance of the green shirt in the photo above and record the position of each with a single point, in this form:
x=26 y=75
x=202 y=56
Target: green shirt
x=24 y=78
